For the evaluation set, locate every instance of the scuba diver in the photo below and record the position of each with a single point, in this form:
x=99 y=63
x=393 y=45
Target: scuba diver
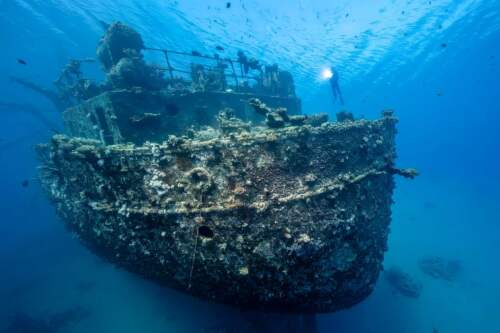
x=334 y=82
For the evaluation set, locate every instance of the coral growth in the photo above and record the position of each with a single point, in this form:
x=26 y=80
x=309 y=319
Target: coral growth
x=300 y=206
x=278 y=117
x=117 y=41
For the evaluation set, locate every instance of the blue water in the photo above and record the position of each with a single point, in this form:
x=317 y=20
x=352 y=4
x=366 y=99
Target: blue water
x=437 y=63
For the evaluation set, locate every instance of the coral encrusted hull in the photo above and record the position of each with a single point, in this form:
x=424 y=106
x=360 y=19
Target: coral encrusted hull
x=290 y=219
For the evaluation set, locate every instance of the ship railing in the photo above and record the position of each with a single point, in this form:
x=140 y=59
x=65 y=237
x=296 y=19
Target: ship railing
x=238 y=78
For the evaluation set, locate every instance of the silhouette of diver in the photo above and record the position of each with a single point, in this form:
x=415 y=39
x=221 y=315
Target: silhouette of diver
x=334 y=83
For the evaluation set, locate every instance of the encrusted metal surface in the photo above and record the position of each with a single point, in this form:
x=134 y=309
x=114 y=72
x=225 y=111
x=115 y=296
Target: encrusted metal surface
x=138 y=115
x=294 y=218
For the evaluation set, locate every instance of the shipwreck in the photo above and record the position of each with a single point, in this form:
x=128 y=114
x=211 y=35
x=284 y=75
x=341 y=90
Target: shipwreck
x=211 y=181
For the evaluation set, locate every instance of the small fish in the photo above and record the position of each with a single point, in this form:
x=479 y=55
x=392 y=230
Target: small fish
x=219 y=48
x=228 y=5
x=402 y=12
x=347 y=15
x=22 y=62
x=25 y=183
x=444 y=45
x=196 y=53
x=439 y=92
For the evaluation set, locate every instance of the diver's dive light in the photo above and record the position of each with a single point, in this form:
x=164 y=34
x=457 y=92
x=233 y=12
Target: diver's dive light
x=326 y=74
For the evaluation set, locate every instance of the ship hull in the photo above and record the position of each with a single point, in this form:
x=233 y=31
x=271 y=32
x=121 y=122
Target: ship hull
x=294 y=219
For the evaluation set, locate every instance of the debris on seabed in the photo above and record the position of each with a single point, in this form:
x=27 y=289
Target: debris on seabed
x=402 y=282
